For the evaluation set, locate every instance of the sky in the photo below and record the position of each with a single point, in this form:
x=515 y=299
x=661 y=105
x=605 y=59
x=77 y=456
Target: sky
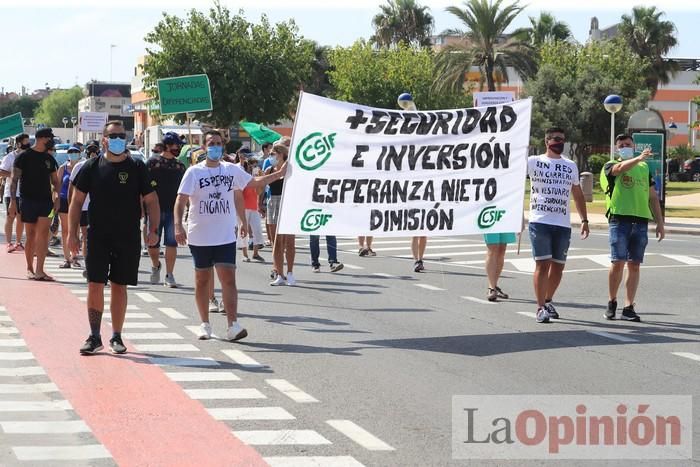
x=71 y=44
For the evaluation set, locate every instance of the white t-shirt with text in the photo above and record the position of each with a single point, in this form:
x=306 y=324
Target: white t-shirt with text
x=550 y=189
x=6 y=164
x=212 y=216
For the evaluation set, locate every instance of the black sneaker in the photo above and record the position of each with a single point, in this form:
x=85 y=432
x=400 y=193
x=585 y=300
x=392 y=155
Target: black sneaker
x=551 y=310
x=91 y=346
x=612 y=308
x=117 y=346
x=628 y=314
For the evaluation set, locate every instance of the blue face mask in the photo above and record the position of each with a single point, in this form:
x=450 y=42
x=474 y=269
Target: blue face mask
x=215 y=153
x=116 y=145
x=74 y=156
x=626 y=153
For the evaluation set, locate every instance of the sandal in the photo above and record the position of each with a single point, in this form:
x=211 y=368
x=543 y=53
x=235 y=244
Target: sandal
x=44 y=278
x=31 y=276
x=501 y=294
x=76 y=264
x=65 y=265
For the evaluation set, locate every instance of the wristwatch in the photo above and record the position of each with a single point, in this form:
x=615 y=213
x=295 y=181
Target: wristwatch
x=584 y=221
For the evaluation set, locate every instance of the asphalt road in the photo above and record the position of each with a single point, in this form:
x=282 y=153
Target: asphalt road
x=384 y=349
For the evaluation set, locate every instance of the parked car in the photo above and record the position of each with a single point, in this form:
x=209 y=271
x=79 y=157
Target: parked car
x=137 y=155
x=61 y=156
x=691 y=168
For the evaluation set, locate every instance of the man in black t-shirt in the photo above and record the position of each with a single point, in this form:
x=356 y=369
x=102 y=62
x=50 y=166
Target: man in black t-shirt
x=35 y=169
x=117 y=185
x=166 y=173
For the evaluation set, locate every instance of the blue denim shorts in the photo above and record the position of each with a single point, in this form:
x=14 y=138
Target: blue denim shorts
x=217 y=255
x=628 y=240
x=549 y=242
x=167 y=225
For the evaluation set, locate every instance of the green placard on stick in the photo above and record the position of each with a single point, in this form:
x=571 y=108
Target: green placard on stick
x=11 y=125
x=184 y=94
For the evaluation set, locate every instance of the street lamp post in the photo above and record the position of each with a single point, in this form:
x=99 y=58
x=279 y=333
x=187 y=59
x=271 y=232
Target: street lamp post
x=65 y=121
x=405 y=101
x=73 y=121
x=613 y=104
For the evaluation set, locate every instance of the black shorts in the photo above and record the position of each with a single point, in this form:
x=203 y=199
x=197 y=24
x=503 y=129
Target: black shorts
x=113 y=257
x=63 y=208
x=32 y=210
x=7 y=204
x=84 y=219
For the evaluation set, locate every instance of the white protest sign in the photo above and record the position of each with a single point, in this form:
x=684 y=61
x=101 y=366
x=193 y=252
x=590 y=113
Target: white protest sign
x=484 y=99
x=355 y=170
x=92 y=121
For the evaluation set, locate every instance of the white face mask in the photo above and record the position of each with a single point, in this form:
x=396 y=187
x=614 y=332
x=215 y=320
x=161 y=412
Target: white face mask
x=626 y=153
x=274 y=160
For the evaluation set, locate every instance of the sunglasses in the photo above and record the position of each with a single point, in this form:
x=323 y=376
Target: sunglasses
x=558 y=139
x=116 y=135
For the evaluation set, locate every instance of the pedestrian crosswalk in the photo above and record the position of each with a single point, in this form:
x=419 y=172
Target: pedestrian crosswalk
x=469 y=252
x=36 y=422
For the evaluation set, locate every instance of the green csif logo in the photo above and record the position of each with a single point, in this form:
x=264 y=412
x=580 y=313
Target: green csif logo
x=314 y=150
x=314 y=219
x=489 y=216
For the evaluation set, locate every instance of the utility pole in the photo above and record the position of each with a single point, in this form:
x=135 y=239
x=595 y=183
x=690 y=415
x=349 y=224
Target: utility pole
x=111 y=47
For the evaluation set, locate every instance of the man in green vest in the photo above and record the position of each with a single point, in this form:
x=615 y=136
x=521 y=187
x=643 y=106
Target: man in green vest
x=630 y=199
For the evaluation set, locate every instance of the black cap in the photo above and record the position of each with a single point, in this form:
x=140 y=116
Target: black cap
x=92 y=142
x=44 y=133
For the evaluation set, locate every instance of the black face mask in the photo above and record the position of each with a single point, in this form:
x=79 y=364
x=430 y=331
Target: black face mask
x=556 y=148
x=24 y=147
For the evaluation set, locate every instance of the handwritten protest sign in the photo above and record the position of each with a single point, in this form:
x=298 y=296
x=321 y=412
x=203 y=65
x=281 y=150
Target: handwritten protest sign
x=11 y=125
x=183 y=94
x=357 y=170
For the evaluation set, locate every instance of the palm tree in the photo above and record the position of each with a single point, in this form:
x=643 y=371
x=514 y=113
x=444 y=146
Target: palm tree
x=544 y=29
x=402 y=21
x=651 y=38
x=484 y=44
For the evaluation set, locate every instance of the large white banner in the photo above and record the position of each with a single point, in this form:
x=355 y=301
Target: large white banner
x=356 y=170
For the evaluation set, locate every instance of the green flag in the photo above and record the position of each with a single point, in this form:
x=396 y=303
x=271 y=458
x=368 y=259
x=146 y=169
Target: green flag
x=260 y=133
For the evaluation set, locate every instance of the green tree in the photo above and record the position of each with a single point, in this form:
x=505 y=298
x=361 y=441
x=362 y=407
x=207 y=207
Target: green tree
x=485 y=45
x=24 y=105
x=571 y=84
x=368 y=76
x=318 y=82
x=652 y=38
x=544 y=29
x=60 y=103
x=254 y=70
x=402 y=21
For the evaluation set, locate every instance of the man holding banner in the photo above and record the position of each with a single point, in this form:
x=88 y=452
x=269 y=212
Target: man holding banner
x=553 y=180
x=358 y=171
x=214 y=190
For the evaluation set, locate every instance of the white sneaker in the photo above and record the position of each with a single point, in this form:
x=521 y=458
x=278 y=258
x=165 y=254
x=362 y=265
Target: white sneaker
x=290 y=279
x=170 y=281
x=204 y=332
x=279 y=280
x=155 y=274
x=213 y=306
x=221 y=306
x=542 y=316
x=236 y=332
